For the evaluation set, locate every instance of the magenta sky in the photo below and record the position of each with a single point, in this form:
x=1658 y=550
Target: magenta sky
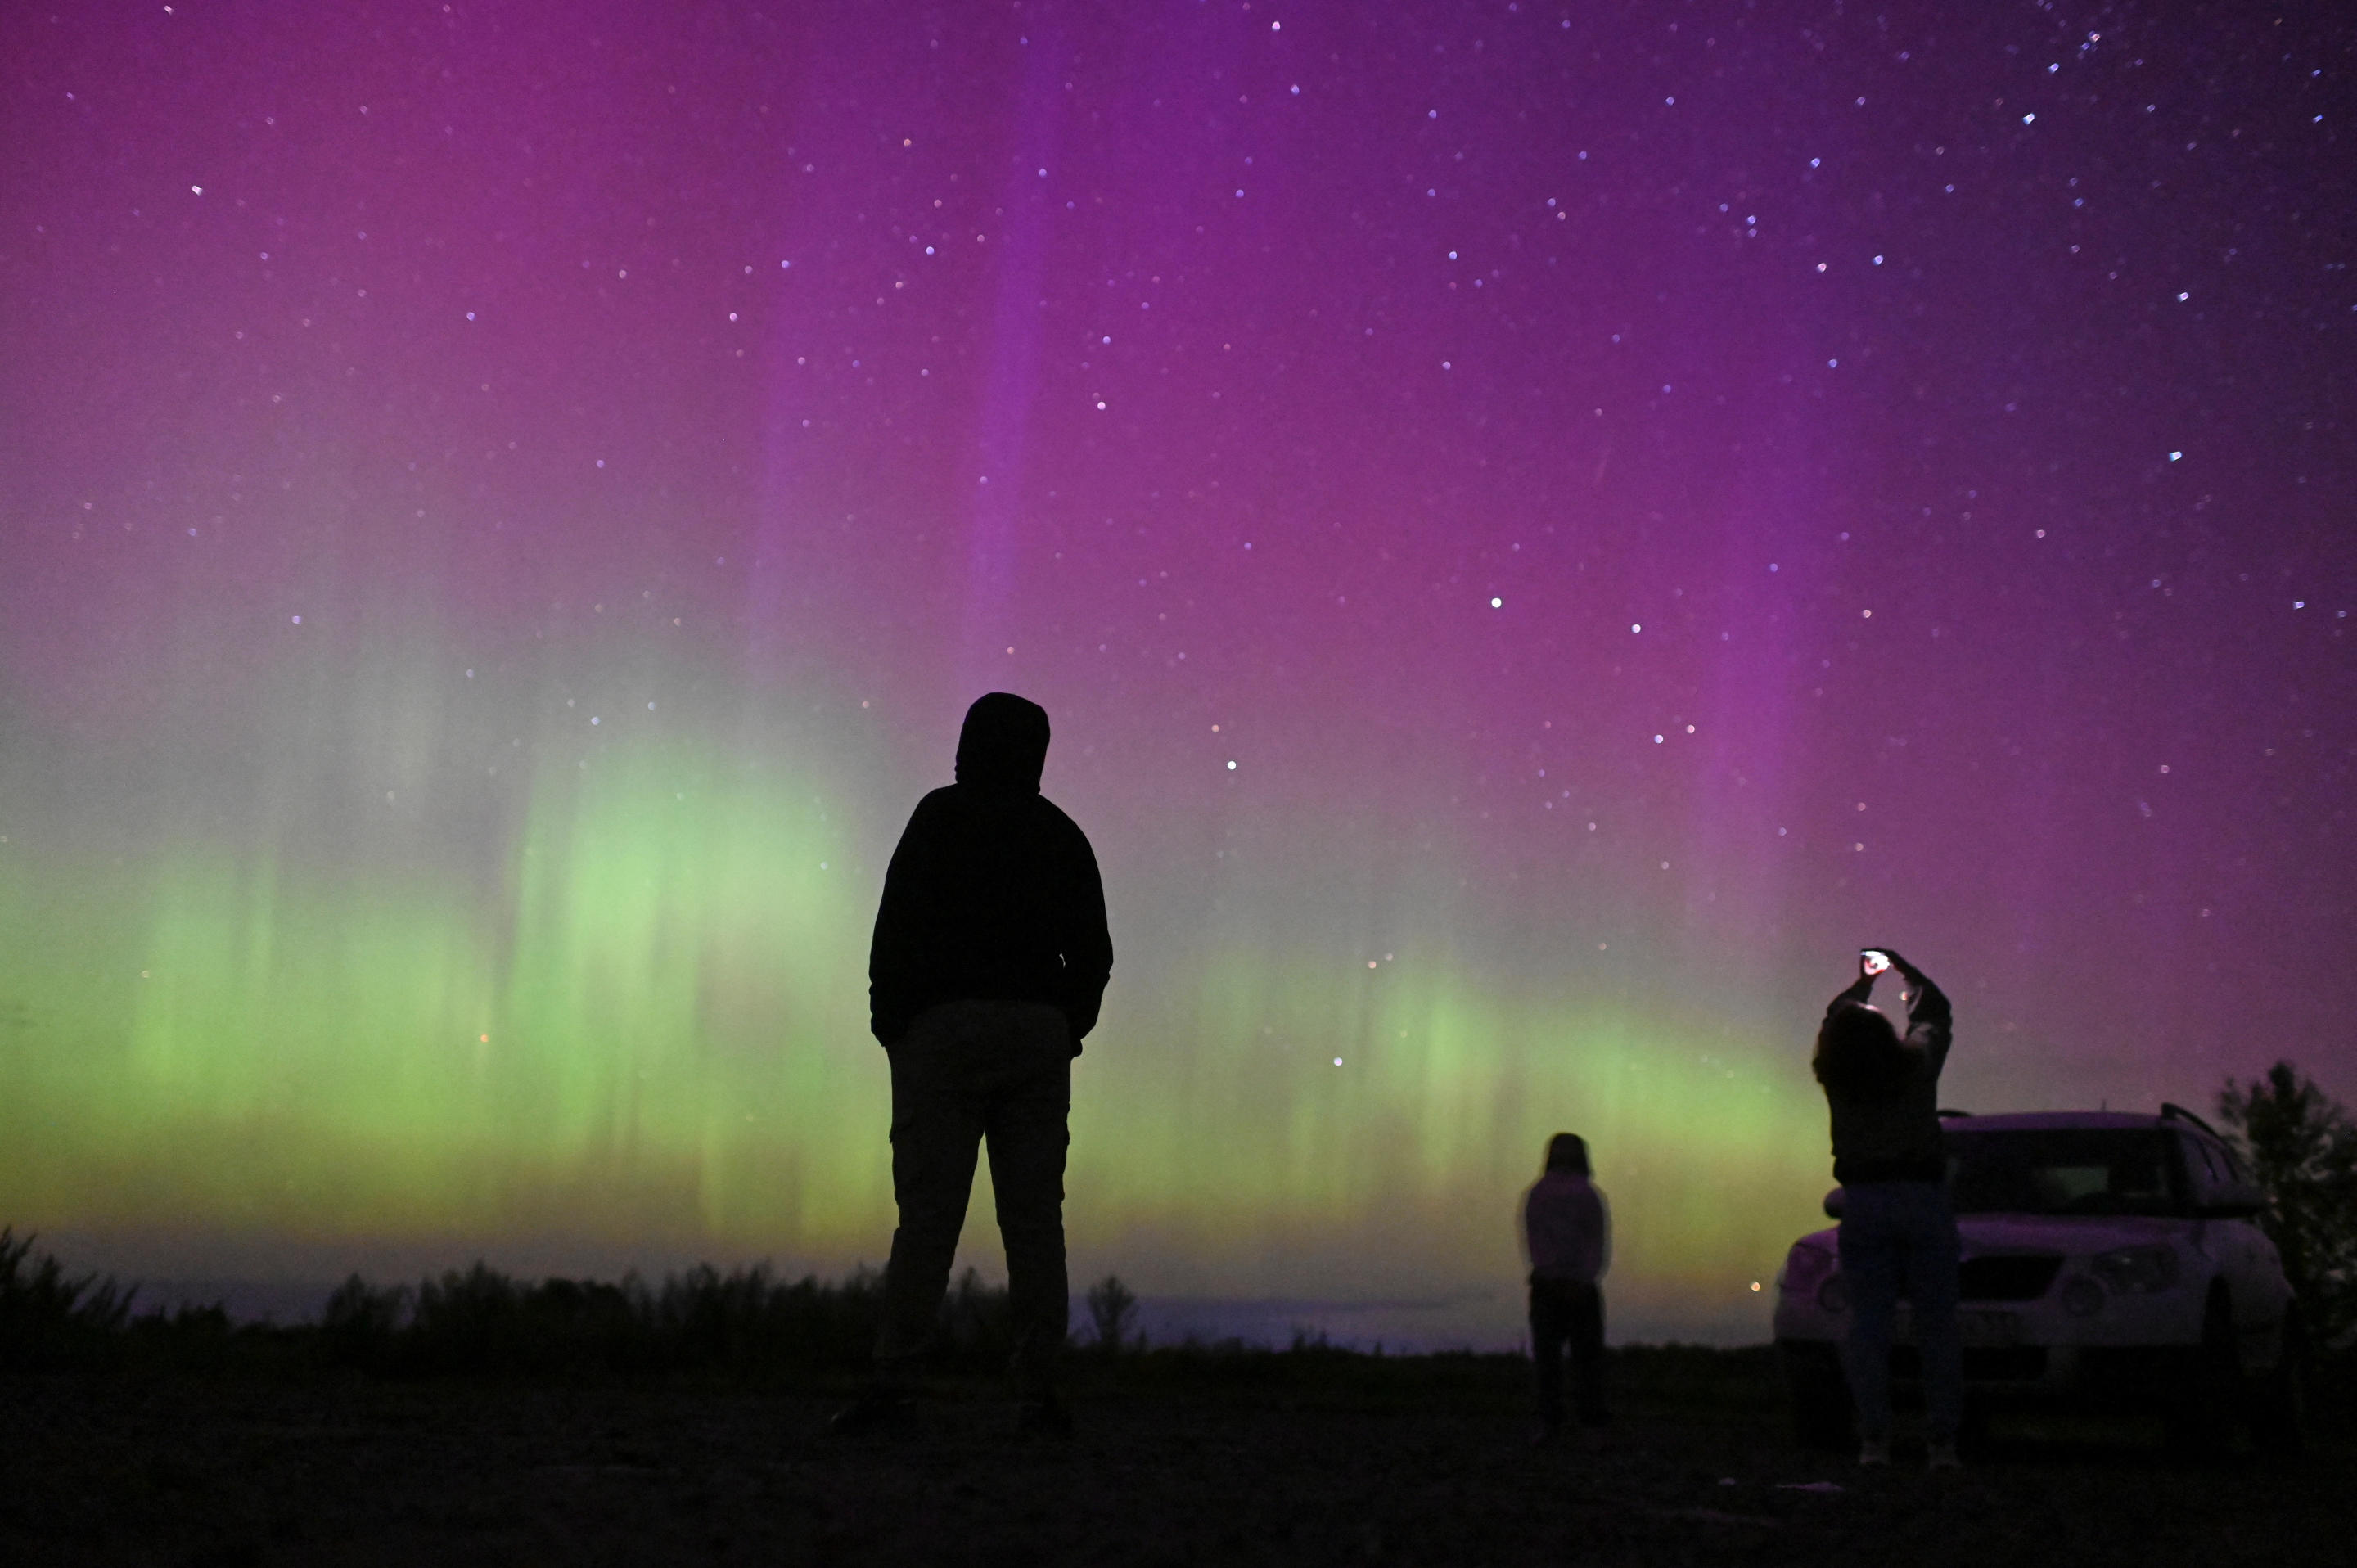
x=1646 y=496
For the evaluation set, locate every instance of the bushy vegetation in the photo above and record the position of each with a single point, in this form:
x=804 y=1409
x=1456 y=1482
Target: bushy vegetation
x=482 y=1322
x=750 y=1325
x=46 y=1318
x=748 y=1321
x=2302 y=1148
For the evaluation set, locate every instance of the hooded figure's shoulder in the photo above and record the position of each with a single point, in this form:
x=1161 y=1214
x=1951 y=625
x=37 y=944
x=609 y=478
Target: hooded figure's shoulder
x=936 y=810
x=1056 y=825
x=935 y=802
x=955 y=811
x=1055 y=815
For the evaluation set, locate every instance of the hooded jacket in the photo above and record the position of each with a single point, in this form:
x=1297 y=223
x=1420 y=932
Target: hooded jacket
x=992 y=894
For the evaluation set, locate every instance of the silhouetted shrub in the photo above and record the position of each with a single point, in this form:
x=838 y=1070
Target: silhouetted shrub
x=2303 y=1152
x=360 y=1323
x=471 y=1322
x=748 y=1318
x=46 y=1319
x=976 y=1328
x=481 y=1321
x=1704 y=1376
x=194 y=1338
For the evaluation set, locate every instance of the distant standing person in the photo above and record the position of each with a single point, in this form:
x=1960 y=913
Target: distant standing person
x=1897 y=1234
x=1568 y=1238
x=990 y=958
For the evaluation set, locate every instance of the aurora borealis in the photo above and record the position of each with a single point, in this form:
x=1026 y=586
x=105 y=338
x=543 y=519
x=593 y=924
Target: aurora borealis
x=1540 y=529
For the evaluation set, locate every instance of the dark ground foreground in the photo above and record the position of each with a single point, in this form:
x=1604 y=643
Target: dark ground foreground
x=1412 y=1460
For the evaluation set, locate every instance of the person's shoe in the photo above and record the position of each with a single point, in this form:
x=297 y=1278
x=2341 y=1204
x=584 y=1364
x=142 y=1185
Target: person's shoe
x=1943 y=1457
x=1874 y=1454
x=875 y=1411
x=1043 y=1415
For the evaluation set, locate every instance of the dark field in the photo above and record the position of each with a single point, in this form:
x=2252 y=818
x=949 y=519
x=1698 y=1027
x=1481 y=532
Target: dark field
x=1313 y=1456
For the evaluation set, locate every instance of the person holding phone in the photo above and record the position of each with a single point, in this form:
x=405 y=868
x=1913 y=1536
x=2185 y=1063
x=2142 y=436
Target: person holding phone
x=1897 y=1234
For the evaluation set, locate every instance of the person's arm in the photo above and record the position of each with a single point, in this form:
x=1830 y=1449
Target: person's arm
x=1930 y=1004
x=894 y=955
x=1927 y=1002
x=1088 y=941
x=1855 y=995
x=1931 y=1022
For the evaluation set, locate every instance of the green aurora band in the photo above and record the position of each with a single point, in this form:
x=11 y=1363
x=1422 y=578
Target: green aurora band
x=649 y=1041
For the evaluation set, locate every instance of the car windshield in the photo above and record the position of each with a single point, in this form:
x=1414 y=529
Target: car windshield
x=2063 y=1170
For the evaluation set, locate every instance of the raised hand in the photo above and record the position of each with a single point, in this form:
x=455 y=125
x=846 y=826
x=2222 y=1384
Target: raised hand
x=1912 y=976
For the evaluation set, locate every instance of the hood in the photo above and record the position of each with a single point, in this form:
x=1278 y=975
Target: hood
x=1004 y=745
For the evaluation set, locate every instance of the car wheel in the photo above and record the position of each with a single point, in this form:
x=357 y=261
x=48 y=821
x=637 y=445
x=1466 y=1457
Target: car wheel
x=1819 y=1395
x=2202 y=1408
x=2278 y=1401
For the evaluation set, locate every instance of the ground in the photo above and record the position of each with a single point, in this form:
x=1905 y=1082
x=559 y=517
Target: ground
x=1406 y=1465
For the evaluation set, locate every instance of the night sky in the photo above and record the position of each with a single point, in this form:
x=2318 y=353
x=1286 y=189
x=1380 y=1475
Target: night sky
x=1541 y=528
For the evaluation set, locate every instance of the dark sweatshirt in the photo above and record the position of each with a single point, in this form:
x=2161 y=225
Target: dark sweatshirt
x=1894 y=1135
x=992 y=894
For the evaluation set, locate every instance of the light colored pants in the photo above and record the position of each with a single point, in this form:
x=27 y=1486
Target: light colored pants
x=1898 y=1238
x=967 y=1072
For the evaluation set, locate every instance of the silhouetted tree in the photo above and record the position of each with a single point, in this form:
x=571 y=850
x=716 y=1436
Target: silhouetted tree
x=1113 y=1308
x=360 y=1323
x=2303 y=1152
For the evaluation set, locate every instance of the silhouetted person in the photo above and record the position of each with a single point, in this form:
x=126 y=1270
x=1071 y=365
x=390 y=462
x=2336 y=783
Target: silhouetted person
x=1567 y=1238
x=1898 y=1233
x=990 y=958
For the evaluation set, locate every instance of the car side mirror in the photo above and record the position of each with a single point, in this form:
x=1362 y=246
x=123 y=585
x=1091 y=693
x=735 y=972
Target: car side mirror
x=1834 y=1204
x=2235 y=1200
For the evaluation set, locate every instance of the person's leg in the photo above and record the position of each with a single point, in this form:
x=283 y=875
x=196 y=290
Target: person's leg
x=1869 y=1263
x=1550 y=1324
x=1933 y=1250
x=1588 y=1353
x=936 y=1127
x=1030 y=1106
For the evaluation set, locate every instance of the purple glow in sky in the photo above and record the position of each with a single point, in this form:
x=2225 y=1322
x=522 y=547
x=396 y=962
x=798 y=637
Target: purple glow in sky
x=1540 y=527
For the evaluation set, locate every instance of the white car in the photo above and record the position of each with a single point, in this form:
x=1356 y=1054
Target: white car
x=2109 y=1260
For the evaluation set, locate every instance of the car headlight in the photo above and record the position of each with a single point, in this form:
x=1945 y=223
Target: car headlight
x=2137 y=1270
